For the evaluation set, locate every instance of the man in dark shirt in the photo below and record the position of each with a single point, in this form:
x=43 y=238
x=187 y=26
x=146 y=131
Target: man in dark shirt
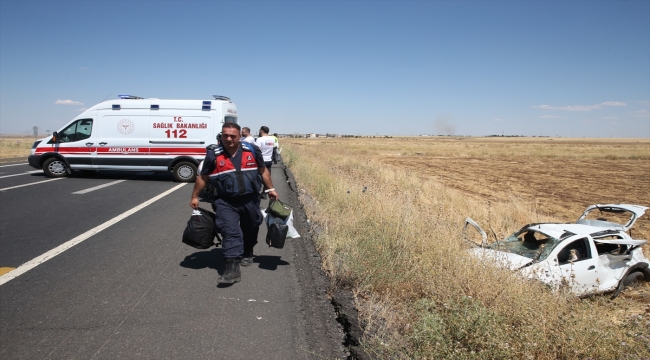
x=233 y=169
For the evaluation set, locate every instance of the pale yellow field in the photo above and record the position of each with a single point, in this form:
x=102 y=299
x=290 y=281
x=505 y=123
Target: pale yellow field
x=15 y=146
x=558 y=177
x=389 y=213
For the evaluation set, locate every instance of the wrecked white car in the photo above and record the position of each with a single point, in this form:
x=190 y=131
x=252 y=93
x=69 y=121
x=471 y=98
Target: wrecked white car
x=594 y=255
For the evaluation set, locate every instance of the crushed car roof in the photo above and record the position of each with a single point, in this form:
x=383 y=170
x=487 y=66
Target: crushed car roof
x=558 y=230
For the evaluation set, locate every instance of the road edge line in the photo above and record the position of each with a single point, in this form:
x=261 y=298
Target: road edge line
x=70 y=243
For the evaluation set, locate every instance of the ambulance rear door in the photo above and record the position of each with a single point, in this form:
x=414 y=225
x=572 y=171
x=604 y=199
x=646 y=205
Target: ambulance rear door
x=124 y=138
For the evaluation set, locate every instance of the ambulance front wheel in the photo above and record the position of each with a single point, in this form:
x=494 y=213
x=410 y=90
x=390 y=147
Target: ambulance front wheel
x=55 y=168
x=184 y=171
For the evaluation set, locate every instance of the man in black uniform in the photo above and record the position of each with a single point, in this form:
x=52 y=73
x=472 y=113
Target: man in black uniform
x=232 y=168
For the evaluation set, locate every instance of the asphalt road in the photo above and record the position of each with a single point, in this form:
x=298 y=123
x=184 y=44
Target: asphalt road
x=133 y=291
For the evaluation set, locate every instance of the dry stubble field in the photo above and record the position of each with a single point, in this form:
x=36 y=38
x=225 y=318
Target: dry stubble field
x=398 y=245
x=561 y=176
x=15 y=146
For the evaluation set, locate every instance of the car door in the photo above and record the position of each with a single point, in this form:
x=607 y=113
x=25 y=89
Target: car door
x=574 y=264
x=472 y=236
x=77 y=144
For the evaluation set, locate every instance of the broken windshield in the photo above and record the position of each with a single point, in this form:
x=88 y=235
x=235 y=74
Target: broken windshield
x=527 y=243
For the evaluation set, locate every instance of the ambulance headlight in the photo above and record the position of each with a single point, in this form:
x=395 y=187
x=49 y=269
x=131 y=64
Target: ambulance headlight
x=35 y=144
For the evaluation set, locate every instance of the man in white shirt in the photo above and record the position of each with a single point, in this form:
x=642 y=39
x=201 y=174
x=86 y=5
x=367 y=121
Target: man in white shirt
x=276 y=150
x=246 y=135
x=266 y=145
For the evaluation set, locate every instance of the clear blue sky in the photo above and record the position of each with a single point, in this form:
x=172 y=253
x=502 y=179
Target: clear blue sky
x=567 y=68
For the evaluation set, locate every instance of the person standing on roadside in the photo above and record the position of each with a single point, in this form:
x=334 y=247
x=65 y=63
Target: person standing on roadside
x=266 y=144
x=276 y=148
x=234 y=168
x=246 y=135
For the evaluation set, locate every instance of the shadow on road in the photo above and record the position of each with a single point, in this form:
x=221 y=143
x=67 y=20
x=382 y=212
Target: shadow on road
x=268 y=262
x=205 y=259
x=213 y=259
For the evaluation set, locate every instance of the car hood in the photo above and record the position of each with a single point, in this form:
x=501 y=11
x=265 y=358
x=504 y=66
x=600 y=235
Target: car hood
x=501 y=258
x=635 y=212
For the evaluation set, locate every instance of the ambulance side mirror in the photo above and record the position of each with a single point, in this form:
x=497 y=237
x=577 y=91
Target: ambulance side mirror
x=55 y=137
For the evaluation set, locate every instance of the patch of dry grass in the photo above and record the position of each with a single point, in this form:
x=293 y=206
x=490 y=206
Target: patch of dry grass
x=394 y=237
x=15 y=146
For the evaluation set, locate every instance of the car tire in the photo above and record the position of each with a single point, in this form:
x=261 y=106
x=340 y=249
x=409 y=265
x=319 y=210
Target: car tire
x=184 y=171
x=633 y=279
x=55 y=168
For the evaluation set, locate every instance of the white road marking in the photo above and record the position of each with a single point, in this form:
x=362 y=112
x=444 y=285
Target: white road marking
x=34 y=183
x=25 y=173
x=14 y=165
x=70 y=243
x=97 y=187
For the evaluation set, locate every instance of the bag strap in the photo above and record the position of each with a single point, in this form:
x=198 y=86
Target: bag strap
x=236 y=161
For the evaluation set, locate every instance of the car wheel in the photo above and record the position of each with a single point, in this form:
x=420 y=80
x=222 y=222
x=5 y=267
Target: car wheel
x=633 y=279
x=55 y=168
x=184 y=171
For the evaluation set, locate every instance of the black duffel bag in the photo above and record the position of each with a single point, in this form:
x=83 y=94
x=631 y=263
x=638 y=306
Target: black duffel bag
x=276 y=234
x=199 y=232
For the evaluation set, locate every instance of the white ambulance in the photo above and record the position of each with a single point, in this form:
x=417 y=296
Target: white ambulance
x=136 y=134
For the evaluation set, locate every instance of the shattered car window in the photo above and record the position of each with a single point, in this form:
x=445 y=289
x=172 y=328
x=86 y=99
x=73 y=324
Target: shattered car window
x=528 y=243
x=613 y=249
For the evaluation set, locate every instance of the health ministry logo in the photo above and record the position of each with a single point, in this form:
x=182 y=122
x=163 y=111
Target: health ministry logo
x=125 y=126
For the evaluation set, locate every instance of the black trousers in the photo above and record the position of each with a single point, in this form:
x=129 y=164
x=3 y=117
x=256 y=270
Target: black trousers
x=238 y=221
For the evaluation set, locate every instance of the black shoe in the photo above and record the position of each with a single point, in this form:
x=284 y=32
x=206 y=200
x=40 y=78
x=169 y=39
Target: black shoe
x=247 y=259
x=232 y=274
